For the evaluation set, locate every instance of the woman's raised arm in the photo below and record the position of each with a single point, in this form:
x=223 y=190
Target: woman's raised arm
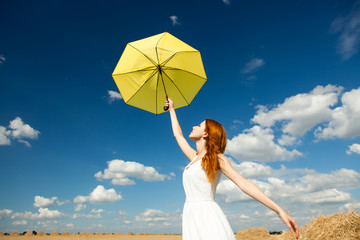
x=253 y=191
x=189 y=152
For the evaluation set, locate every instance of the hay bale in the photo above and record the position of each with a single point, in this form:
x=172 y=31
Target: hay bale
x=107 y=234
x=15 y=234
x=130 y=233
x=65 y=234
x=98 y=233
x=54 y=234
x=253 y=233
x=1 y=234
x=82 y=234
x=337 y=226
x=90 y=234
x=28 y=234
x=40 y=234
x=118 y=234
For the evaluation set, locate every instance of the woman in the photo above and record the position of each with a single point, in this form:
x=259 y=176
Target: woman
x=202 y=217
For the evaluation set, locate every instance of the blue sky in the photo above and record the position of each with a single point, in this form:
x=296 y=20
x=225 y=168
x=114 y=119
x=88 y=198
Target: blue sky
x=283 y=78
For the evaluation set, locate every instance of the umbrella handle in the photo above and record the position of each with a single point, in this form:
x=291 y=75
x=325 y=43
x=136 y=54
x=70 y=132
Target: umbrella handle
x=166 y=107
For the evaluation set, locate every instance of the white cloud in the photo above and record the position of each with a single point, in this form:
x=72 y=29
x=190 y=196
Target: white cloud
x=2 y=59
x=5 y=213
x=325 y=196
x=86 y=216
x=287 y=140
x=154 y=215
x=339 y=178
x=41 y=202
x=44 y=213
x=253 y=65
x=257 y=144
x=350 y=206
x=120 y=172
x=21 y=222
x=102 y=196
x=355 y=148
x=21 y=130
x=79 y=207
x=4 y=136
x=114 y=96
x=298 y=114
x=175 y=20
x=349 y=28
x=99 y=196
x=344 y=122
x=97 y=211
x=296 y=185
x=252 y=169
x=17 y=130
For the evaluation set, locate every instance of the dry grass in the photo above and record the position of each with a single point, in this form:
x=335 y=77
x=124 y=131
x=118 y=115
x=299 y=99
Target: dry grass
x=338 y=226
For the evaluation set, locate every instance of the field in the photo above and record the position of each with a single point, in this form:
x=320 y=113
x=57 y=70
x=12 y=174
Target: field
x=338 y=226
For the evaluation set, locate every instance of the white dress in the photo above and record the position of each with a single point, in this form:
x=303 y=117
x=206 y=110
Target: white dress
x=203 y=219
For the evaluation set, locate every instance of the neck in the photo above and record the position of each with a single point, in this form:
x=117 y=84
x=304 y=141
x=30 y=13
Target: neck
x=201 y=147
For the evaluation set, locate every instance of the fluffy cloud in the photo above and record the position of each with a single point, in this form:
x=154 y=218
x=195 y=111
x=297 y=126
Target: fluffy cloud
x=252 y=169
x=349 y=28
x=44 y=213
x=41 y=202
x=339 y=178
x=297 y=186
x=22 y=130
x=114 y=96
x=174 y=20
x=120 y=171
x=99 y=196
x=21 y=222
x=5 y=213
x=17 y=130
x=344 y=121
x=253 y=65
x=257 y=144
x=154 y=215
x=79 y=207
x=86 y=216
x=298 y=114
x=325 y=196
x=4 y=136
x=355 y=148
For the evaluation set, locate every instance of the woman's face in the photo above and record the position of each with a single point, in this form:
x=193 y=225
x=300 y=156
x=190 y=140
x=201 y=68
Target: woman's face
x=198 y=131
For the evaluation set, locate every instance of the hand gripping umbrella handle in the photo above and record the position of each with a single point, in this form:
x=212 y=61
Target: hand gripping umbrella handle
x=166 y=107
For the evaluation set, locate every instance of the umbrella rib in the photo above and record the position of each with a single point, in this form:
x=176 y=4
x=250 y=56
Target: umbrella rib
x=143 y=54
x=177 y=88
x=156 y=48
x=169 y=58
x=139 y=70
x=178 y=69
x=142 y=86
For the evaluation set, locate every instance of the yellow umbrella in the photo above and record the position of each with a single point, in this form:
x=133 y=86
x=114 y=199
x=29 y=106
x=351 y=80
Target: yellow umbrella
x=153 y=68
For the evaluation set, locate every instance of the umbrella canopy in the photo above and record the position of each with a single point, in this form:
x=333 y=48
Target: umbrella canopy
x=153 y=68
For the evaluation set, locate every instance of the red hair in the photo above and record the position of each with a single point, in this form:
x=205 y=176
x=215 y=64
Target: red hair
x=215 y=144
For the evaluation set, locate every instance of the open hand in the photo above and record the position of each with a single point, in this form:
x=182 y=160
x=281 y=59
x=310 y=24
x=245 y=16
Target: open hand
x=290 y=222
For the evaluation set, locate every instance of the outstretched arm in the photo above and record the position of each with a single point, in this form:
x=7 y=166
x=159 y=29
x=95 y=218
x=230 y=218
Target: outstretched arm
x=189 y=152
x=253 y=191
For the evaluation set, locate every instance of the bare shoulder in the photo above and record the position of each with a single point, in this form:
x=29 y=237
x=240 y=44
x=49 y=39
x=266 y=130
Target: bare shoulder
x=223 y=161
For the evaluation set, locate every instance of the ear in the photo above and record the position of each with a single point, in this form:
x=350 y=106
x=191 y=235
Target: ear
x=206 y=135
